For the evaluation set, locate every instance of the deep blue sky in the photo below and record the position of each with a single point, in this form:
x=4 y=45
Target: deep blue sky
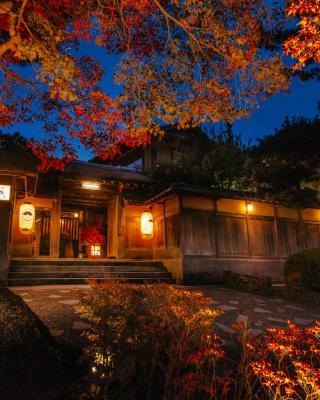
x=301 y=100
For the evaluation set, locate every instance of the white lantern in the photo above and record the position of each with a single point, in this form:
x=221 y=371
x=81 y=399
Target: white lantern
x=147 y=225
x=26 y=218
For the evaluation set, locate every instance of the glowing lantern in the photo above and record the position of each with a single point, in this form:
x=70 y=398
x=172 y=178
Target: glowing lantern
x=249 y=207
x=26 y=218
x=96 y=250
x=147 y=225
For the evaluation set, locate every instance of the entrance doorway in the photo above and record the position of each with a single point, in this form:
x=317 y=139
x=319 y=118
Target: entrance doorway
x=83 y=232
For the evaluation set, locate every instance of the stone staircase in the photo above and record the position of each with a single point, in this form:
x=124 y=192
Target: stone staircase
x=29 y=272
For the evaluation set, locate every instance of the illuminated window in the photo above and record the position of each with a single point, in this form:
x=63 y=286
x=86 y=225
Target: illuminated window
x=5 y=192
x=96 y=250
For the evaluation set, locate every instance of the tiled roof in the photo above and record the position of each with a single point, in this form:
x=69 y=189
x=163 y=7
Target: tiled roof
x=100 y=172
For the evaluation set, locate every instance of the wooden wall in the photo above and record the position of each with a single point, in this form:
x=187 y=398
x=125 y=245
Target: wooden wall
x=135 y=246
x=21 y=243
x=223 y=228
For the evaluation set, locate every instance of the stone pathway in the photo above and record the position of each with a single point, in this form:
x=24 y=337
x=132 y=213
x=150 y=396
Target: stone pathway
x=260 y=312
x=58 y=307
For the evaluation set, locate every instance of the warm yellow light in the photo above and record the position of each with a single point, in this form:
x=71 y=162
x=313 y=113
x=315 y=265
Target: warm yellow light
x=90 y=185
x=249 y=207
x=96 y=250
x=76 y=215
x=147 y=224
x=26 y=218
x=5 y=192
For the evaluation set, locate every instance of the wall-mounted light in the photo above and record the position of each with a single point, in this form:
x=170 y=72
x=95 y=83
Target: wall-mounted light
x=249 y=207
x=147 y=225
x=90 y=185
x=5 y=192
x=76 y=215
x=26 y=218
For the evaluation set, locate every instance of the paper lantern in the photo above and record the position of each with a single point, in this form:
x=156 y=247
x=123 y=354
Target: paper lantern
x=147 y=225
x=26 y=218
x=96 y=250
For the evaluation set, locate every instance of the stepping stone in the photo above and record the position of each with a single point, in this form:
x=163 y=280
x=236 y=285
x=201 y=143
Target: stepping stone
x=64 y=291
x=84 y=316
x=28 y=300
x=233 y=302
x=80 y=326
x=227 y=308
x=259 y=300
x=272 y=319
x=281 y=310
x=242 y=318
x=69 y=302
x=293 y=307
x=78 y=309
x=302 y=321
x=262 y=310
x=54 y=296
x=24 y=294
x=56 y=332
x=224 y=328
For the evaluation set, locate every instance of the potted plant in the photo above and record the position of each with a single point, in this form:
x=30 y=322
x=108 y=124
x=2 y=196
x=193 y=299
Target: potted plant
x=93 y=238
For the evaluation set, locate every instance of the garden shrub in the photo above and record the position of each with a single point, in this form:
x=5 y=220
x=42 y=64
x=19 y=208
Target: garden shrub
x=30 y=366
x=303 y=268
x=152 y=341
x=158 y=342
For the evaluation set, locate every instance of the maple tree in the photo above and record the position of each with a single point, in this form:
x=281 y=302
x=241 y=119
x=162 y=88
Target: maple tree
x=180 y=61
x=305 y=45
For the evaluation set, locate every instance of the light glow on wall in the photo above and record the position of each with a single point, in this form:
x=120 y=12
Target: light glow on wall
x=249 y=207
x=147 y=225
x=5 y=192
x=26 y=218
x=90 y=185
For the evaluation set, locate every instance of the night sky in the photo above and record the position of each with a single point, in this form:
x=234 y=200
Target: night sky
x=302 y=100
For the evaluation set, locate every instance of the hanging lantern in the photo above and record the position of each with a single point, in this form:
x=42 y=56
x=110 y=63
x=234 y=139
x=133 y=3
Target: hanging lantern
x=26 y=218
x=147 y=225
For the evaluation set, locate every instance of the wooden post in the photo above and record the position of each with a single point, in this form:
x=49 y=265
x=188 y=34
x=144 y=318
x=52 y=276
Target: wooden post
x=113 y=227
x=215 y=229
x=248 y=232
x=55 y=226
x=277 y=232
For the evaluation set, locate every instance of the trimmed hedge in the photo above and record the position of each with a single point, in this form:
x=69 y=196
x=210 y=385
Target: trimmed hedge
x=303 y=268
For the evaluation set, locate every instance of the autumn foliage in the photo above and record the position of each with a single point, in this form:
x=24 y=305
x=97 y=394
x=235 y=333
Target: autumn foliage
x=159 y=342
x=179 y=61
x=305 y=45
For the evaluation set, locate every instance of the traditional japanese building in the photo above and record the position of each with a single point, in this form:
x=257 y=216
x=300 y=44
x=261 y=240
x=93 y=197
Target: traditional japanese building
x=95 y=220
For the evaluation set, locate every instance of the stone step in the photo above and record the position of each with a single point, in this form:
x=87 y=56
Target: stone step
x=87 y=275
x=84 y=261
x=27 y=272
x=86 y=268
x=79 y=281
